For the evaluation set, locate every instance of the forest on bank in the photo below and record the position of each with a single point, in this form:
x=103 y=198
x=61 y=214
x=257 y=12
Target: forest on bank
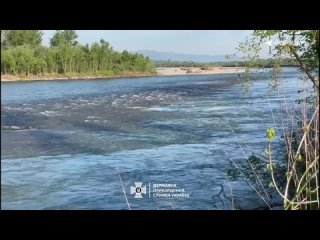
x=23 y=54
x=262 y=63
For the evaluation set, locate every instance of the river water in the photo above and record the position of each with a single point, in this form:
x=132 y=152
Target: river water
x=85 y=143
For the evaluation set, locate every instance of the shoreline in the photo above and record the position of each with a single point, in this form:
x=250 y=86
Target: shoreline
x=173 y=71
x=165 y=71
x=66 y=78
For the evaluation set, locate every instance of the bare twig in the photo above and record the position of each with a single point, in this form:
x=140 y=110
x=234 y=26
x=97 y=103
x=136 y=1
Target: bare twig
x=248 y=181
x=124 y=191
x=251 y=166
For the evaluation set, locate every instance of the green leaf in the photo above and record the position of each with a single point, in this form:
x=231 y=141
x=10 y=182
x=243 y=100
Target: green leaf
x=270 y=134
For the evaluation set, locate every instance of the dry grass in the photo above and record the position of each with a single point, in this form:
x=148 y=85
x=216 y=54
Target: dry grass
x=302 y=145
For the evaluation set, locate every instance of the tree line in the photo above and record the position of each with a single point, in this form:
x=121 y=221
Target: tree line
x=22 y=53
x=264 y=63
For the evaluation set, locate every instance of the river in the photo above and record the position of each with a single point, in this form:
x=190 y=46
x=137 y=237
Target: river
x=84 y=143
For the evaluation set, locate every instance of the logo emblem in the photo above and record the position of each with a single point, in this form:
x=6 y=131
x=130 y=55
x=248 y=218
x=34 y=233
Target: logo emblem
x=138 y=190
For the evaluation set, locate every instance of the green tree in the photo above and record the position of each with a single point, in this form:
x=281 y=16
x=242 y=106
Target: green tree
x=68 y=37
x=3 y=33
x=8 y=62
x=24 y=58
x=13 y=38
x=300 y=45
x=65 y=56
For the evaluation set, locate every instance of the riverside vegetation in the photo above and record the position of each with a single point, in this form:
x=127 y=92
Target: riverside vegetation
x=24 y=56
x=263 y=63
x=296 y=180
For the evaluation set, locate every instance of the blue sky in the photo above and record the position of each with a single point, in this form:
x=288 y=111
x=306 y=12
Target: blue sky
x=211 y=42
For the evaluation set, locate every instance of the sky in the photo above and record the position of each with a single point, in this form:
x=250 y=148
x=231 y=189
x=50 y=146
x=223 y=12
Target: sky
x=209 y=42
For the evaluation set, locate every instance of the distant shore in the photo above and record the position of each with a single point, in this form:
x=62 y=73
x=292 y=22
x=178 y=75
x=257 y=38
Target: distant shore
x=166 y=71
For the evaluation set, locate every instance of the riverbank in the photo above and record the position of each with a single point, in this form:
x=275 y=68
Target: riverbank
x=47 y=77
x=167 y=71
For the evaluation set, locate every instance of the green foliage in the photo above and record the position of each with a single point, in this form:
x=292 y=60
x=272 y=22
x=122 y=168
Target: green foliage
x=244 y=171
x=300 y=188
x=8 y=62
x=170 y=63
x=14 y=38
x=67 y=57
x=302 y=46
x=67 y=37
x=263 y=63
x=205 y=68
x=270 y=134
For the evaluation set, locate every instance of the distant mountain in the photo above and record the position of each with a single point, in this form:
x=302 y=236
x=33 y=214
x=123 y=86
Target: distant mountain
x=164 y=56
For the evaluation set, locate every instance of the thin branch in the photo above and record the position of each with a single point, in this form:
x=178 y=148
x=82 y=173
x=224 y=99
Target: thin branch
x=305 y=133
x=304 y=68
x=124 y=191
x=248 y=181
x=258 y=180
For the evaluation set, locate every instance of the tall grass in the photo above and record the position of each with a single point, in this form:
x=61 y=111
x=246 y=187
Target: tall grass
x=294 y=176
x=301 y=137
